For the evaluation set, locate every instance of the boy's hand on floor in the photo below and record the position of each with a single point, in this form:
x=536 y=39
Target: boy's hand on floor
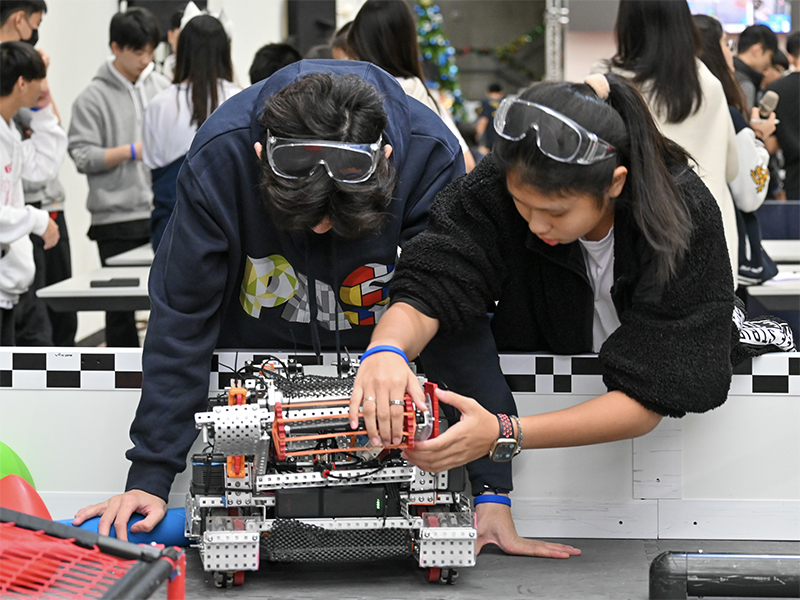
x=118 y=510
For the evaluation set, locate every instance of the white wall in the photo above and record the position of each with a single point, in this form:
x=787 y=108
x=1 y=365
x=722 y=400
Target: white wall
x=75 y=35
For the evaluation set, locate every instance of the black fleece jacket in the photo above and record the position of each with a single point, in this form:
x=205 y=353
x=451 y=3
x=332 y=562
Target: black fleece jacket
x=672 y=350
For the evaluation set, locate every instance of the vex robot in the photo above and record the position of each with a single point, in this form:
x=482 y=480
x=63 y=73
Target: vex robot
x=284 y=478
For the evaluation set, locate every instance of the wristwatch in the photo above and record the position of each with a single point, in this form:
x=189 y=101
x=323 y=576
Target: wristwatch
x=505 y=446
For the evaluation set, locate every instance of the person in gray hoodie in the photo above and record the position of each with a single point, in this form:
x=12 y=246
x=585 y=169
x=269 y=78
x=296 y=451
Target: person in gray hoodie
x=105 y=142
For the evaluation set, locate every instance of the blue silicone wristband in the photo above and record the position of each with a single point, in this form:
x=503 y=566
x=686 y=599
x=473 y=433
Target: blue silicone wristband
x=493 y=498
x=384 y=348
x=133 y=152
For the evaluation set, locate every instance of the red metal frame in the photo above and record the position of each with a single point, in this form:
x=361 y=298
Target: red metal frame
x=38 y=560
x=280 y=438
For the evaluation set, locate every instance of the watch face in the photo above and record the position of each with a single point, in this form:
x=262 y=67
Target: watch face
x=503 y=450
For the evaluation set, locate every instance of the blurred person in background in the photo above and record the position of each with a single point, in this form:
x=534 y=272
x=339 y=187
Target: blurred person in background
x=484 y=128
x=788 y=112
x=203 y=81
x=105 y=142
x=173 y=35
x=657 y=48
x=340 y=49
x=384 y=34
x=36 y=324
x=35 y=159
x=779 y=66
x=271 y=58
x=776 y=70
x=754 y=50
x=749 y=188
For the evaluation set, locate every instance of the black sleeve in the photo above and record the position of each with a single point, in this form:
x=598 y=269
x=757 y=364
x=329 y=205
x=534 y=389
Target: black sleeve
x=672 y=353
x=183 y=330
x=457 y=266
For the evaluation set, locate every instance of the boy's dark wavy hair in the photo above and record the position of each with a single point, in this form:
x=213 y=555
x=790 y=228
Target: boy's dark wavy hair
x=19 y=60
x=136 y=28
x=320 y=106
x=625 y=122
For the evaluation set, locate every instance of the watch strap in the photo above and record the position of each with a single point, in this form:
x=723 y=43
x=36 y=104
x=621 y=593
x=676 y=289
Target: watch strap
x=506 y=429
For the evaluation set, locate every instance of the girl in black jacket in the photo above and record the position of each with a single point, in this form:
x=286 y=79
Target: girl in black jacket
x=585 y=231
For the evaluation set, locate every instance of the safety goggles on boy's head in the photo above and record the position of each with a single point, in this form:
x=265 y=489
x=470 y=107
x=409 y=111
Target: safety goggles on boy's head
x=557 y=136
x=343 y=161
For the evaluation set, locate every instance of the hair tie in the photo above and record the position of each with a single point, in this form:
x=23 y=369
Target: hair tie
x=599 y=84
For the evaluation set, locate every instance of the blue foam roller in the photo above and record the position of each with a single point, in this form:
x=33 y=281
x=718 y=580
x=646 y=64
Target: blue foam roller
x=170 y=531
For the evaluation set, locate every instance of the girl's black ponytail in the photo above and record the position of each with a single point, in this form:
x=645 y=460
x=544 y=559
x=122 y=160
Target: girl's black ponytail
x=655 y=200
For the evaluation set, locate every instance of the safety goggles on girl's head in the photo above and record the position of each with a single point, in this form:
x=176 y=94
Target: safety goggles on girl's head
x=557 y=136
x=344 y=162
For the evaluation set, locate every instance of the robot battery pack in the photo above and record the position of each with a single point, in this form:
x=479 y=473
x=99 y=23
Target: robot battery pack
x=208 y=474
x=355 y=501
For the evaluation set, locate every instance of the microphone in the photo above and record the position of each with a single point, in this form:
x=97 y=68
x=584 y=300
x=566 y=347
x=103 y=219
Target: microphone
x=768 y=104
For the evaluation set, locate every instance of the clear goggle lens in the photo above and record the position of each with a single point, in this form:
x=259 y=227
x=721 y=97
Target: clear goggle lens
x=557 y=136
x=344 y=162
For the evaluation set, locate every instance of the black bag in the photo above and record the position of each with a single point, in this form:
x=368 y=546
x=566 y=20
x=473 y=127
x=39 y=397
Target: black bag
x=755 y=265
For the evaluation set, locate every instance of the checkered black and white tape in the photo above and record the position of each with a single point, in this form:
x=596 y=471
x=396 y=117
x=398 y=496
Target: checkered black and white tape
x=118 y=368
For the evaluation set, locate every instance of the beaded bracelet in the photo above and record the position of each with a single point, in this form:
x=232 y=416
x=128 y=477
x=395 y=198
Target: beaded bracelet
x=516 y=420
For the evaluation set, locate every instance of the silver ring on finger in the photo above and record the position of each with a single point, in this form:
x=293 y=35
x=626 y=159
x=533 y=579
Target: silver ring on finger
x=397 y=402
x=369 y=399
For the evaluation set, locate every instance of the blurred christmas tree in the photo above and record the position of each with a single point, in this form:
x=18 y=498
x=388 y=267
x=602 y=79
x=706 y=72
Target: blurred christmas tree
x=437 y=51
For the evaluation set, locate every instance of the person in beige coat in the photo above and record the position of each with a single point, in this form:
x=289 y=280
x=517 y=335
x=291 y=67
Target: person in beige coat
x=657 y=49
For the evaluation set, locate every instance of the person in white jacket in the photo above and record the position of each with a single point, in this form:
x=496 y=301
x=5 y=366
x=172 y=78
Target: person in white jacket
x=36 y=159
x=203 y=81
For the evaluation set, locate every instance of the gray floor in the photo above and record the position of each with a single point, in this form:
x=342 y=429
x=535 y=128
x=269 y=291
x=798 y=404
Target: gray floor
x=607 y=569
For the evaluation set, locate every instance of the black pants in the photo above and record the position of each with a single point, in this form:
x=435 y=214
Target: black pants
x=37 y=325
x=120 y=326
x=467 y=363
x=58 y=267
x=6 y=326
x=31 y=321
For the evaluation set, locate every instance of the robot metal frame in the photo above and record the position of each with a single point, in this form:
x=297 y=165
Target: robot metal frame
x=284 y=478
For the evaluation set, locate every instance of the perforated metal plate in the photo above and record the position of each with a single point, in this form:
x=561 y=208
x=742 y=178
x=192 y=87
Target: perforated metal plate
x=237 y=429
x=231 y=551
x=446 y=553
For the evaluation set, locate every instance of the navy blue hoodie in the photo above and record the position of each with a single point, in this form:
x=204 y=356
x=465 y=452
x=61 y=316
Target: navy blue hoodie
x=225 y=277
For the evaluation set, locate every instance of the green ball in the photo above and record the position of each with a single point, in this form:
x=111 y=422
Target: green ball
x=11 y=464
